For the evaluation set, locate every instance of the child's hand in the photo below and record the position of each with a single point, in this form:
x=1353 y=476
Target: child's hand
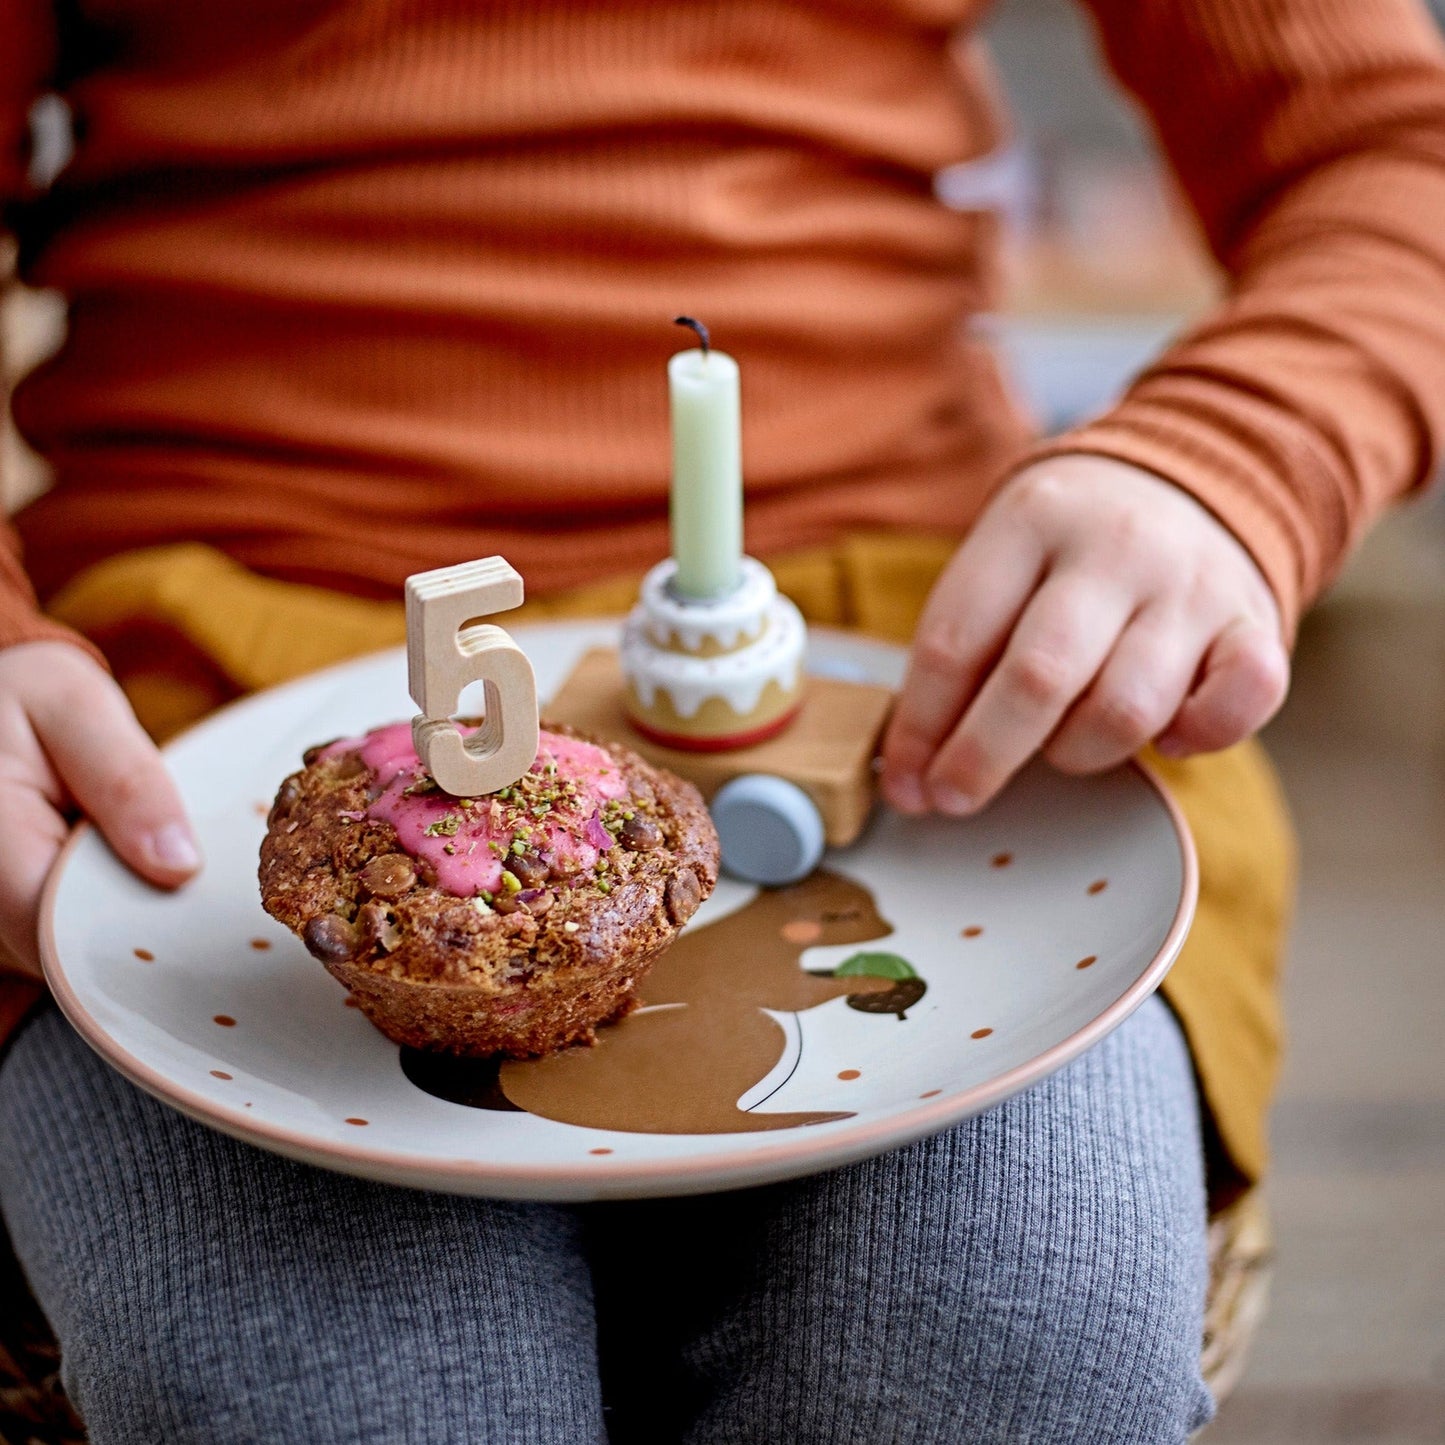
x=1092 y=609
x=68 y=739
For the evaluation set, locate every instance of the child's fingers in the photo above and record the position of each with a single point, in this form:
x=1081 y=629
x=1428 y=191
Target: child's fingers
x=970 y=612
x=1061 y=641
x=29 y=840
x=1244 y=681
x=1136 y=695
x=113 y=771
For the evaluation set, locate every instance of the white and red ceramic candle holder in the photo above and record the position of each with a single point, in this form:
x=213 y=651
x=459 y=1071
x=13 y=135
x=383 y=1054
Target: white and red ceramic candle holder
x=713 y=674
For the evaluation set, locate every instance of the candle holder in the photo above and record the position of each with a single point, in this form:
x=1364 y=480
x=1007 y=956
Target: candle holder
x=710 y=672
x=711 y=675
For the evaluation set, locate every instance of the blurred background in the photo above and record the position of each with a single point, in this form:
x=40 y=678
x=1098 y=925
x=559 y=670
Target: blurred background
x=1103 y=269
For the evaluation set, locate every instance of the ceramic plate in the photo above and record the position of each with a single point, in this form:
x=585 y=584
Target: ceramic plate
x=1008 y=944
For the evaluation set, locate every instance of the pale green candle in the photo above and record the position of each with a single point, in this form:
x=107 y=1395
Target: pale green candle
x=707 y=473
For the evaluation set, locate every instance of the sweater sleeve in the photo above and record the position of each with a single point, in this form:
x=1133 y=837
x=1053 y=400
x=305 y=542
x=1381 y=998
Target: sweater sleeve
x=1309 y=138
x=26 y=59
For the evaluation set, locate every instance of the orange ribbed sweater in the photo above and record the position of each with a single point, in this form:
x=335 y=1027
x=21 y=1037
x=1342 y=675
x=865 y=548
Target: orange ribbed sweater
x=360 y=288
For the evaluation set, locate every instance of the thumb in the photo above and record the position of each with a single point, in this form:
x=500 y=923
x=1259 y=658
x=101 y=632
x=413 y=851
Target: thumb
x=118 y=778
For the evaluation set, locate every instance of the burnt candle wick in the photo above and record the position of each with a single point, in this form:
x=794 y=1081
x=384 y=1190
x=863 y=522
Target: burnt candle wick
x=697 y=326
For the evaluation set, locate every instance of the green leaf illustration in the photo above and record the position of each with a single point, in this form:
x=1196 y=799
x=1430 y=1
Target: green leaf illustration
x=875 y=965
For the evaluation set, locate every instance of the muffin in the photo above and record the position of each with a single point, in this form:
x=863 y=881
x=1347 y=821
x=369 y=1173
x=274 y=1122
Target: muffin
x=510 y=924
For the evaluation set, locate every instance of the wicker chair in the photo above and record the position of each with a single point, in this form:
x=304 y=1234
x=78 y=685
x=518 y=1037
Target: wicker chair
x=34 y=1410
x=1241 y=1260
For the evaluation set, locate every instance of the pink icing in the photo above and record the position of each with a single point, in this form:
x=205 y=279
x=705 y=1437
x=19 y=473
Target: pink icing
x=470 y=859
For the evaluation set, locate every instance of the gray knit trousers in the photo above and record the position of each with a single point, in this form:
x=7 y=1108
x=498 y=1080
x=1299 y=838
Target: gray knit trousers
x=1034 y=1275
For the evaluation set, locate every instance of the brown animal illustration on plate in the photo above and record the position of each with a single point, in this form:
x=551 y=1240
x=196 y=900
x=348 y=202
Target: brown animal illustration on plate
x=702 y=1039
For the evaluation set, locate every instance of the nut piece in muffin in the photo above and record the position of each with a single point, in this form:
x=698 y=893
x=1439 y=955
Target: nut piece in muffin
x=512 y=923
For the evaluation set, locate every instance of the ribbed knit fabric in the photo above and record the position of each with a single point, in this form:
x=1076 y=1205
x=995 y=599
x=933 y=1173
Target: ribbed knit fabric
x=205 y=1293
x=363 y=286
x=1033 y=1277
x=1309 y=135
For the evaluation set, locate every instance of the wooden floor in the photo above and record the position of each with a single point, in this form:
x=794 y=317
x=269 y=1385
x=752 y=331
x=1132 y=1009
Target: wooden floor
x=1353 y=1348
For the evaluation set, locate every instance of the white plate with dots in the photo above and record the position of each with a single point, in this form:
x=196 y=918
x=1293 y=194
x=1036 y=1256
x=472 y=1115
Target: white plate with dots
x=1009 y=943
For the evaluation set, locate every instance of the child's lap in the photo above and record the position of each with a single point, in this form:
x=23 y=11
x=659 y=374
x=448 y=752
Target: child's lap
x=224 y=1287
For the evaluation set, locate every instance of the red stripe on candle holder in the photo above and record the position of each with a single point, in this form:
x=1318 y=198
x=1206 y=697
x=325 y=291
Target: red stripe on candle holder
x=725 y=743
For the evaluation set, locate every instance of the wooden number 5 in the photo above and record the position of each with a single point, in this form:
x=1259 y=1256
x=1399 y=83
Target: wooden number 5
x=444 y=654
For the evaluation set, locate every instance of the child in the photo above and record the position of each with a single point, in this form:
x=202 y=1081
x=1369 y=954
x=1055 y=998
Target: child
x=358 y=289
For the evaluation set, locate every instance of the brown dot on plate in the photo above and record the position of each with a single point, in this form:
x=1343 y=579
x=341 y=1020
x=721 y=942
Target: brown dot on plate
x=225 y=1021
x=357 y=1121
x=850 y=1073
x=972 y=931
x=351 y=1002
x=599 y=1151
x=247 y=1104
x=260 y=944
x=219 y=1074
x=1093 y=958
x=144 y=954
x=930 y=1093
x=980 y=1033
x=1098 y=885
x=1001 y=860
x=262 y=809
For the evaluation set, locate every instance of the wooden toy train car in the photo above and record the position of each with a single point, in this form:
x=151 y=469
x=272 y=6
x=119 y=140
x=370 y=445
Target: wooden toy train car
x=776 y=804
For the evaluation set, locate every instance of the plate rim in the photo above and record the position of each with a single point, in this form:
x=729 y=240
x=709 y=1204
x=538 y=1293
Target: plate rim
x=612 y=1177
